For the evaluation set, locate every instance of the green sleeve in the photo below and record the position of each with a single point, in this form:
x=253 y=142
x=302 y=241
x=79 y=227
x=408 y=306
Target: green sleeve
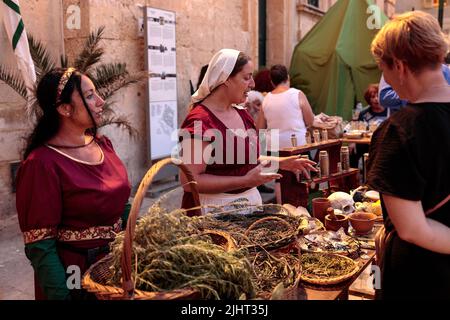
x=48 y=268
x=125 y=214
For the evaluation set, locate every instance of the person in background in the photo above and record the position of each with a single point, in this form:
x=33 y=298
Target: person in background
x=262 y=81
x=374 y=113
x=409 y=161
x=287 y=110
x=215 y=116
x=253 y=105
x=389 y=99
x=72 y=188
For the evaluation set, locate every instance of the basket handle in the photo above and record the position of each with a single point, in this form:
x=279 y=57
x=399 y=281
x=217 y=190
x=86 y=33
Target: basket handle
x=127 y=283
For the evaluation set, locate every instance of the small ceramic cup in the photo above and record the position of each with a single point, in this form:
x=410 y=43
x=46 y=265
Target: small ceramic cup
x=319 y=208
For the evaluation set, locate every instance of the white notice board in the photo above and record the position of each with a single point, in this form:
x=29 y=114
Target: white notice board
x=161 y=64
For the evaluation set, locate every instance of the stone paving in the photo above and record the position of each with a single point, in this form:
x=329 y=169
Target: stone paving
x=16 y=273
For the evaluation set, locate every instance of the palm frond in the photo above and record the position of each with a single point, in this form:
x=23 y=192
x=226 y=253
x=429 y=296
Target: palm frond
x=91 y=52
x=121 y=122
x=108 y=110
x=106 y=73
x=43 y=62
x=109 y=78
x=123 y=82
x=64 y=60
x=34 y=112
x=14 y=80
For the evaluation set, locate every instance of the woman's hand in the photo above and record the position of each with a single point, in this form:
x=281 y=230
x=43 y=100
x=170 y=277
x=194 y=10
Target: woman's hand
x=257 y=176
x=296 y=165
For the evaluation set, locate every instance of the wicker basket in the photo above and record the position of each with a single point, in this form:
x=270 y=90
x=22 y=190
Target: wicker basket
x=96 y=277
x=330 y=280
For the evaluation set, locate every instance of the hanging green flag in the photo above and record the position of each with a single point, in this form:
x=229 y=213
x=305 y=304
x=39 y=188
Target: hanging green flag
x=16 y=33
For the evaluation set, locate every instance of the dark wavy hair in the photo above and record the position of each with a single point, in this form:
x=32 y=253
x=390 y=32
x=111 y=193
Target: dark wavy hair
x=263 y=83
x=241 y=61
x=278 y=74
x=49 y=122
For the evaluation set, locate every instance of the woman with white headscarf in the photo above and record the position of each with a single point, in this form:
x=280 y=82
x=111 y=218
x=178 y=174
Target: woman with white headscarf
x=218 y=138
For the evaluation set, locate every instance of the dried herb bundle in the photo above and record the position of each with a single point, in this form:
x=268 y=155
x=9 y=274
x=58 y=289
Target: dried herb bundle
x=270 y=270
x=257 y=230
x=325 y=266
x=171 y=253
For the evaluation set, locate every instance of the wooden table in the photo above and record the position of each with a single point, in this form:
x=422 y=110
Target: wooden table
x=364 y=140
x=331 y=144
x=296 y=192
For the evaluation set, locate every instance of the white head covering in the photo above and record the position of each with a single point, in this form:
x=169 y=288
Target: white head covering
x=219 y=69
x=255 y=95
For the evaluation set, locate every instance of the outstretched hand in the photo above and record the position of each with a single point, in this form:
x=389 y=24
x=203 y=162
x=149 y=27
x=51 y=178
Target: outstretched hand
x=296 y=165
x=257 y=176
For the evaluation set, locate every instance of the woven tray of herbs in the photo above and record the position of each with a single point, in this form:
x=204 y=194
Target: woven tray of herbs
x=266 y=227
x=173 y=253
x=326 y=268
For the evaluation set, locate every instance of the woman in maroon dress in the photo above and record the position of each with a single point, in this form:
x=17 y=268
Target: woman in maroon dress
x=220 y=144
x=72 y=188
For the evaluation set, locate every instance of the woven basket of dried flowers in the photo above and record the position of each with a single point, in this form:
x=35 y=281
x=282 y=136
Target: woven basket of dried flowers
x=96 y=277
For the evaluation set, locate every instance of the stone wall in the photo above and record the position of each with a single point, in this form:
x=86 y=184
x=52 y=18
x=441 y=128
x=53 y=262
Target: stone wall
x=407 y=5
x=13 y=124
x=203 y=27
x=288 y=21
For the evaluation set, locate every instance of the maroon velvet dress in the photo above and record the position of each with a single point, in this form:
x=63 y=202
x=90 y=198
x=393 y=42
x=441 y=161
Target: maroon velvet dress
x=77 y=203
x=242 y=160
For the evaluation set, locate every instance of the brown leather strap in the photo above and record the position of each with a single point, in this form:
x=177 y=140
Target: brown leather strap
x=439 y=205
x=382 y=238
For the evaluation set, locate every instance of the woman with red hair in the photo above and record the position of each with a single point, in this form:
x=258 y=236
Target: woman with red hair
x=409 y=157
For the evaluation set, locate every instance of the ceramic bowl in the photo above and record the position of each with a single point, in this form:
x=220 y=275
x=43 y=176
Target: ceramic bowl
x=335 y=225
x=362 y=222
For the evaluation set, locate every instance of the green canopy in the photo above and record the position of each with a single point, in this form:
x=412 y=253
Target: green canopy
x=332 y=64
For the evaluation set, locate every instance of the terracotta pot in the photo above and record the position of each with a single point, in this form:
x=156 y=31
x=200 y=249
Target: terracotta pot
x=319 y=208
x=335 y=225
x=362 y=222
